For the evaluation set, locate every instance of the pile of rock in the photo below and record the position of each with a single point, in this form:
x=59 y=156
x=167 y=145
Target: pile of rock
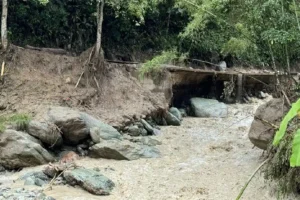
x=89 y=179
x=61 y=127
x=201 y=107
x=22 y=194
x=149 y=125
x=250 y=97
x=198 y=107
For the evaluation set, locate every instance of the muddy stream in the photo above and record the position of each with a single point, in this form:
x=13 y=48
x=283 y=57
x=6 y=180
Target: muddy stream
x=204 y=159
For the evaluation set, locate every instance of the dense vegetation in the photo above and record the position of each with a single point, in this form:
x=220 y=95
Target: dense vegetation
x=253 y=32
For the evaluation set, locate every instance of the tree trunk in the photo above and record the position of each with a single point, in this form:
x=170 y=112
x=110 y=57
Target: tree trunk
x=100 y=7
x=4 y=25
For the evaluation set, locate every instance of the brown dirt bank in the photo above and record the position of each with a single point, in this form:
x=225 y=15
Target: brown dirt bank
x=35 y=80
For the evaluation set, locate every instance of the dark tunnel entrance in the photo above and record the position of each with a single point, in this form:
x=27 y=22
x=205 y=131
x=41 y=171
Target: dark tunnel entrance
x=206 y=88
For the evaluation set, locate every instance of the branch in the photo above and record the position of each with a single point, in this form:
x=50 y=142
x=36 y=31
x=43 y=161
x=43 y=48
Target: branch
x=250 y=179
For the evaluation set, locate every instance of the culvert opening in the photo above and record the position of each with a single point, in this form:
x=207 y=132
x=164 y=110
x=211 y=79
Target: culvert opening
x=206 y=88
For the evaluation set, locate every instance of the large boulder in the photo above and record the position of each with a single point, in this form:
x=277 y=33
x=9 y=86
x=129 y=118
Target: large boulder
x=48 y=133
x=18 y=150
x=106 y=132
x=123 y=150
x=261 y=134
x=76 y=125
x=71 y=124
x=90 y=180
x=208 y=108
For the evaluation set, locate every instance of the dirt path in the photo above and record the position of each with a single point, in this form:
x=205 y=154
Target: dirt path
x=204 y=159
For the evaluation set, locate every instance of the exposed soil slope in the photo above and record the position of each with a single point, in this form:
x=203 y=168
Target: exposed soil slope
x=35 y=80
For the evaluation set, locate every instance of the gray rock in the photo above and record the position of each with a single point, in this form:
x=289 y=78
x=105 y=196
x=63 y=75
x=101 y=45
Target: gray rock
x=147 y=126
x=76 y=125
x=172 y=120
x=208 y=108
x=95 y=135
x=123 y=150
x=48 y=133
x=150 y=141
x=90 y=180
x=139 y=124
x=262 y=134
x=262 y=95
x=107 y=132
x=36 y=174
x=29 y=181
x=2 y=169
x=134 y=131
x=144 y=132
x=40 y=182
x=222 y=66
x=183 y=112
x=17 y=150
x=71 y=124
x=35 y=178
x=22 y=194
x=174 y=111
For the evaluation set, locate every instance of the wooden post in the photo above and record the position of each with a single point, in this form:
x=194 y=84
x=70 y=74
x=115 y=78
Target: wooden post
x=239 y=94
x=4 y=25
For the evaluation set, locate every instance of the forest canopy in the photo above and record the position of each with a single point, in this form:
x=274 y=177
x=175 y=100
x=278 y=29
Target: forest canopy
x=251 y=32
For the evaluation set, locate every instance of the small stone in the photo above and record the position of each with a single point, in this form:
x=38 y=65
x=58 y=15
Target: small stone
x=95 y=135
x=2 y=106
x=134 y=130
x=49 y=198
x=97 y=169
x=40 y=182
x=174 y=111
x=150 y=141
x=222 y=66
x=262 y=95
x=147 y=126
x=172 y=120
x=40 y=196
x=68 y=80
x=183 y=112
x=29 y=181
x=2 y=169
x=144 y=132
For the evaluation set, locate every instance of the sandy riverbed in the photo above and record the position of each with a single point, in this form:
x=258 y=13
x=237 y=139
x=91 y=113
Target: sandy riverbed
x=204 y=159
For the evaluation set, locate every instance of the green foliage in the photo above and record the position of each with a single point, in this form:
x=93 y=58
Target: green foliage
x=249 y=31
x=295 y=158
x=152 y=67
x=284 y=124
x=279 y=168
x=20 y=121
x=285 y=153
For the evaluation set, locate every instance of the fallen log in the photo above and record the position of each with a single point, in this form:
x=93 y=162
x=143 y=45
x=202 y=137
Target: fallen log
x=48 y=50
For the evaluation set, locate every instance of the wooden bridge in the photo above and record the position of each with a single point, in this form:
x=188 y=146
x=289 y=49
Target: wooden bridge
x=243 y=80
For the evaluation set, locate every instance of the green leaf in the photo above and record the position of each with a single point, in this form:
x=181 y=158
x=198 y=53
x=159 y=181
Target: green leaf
x=283 y=126
x=295 y=158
